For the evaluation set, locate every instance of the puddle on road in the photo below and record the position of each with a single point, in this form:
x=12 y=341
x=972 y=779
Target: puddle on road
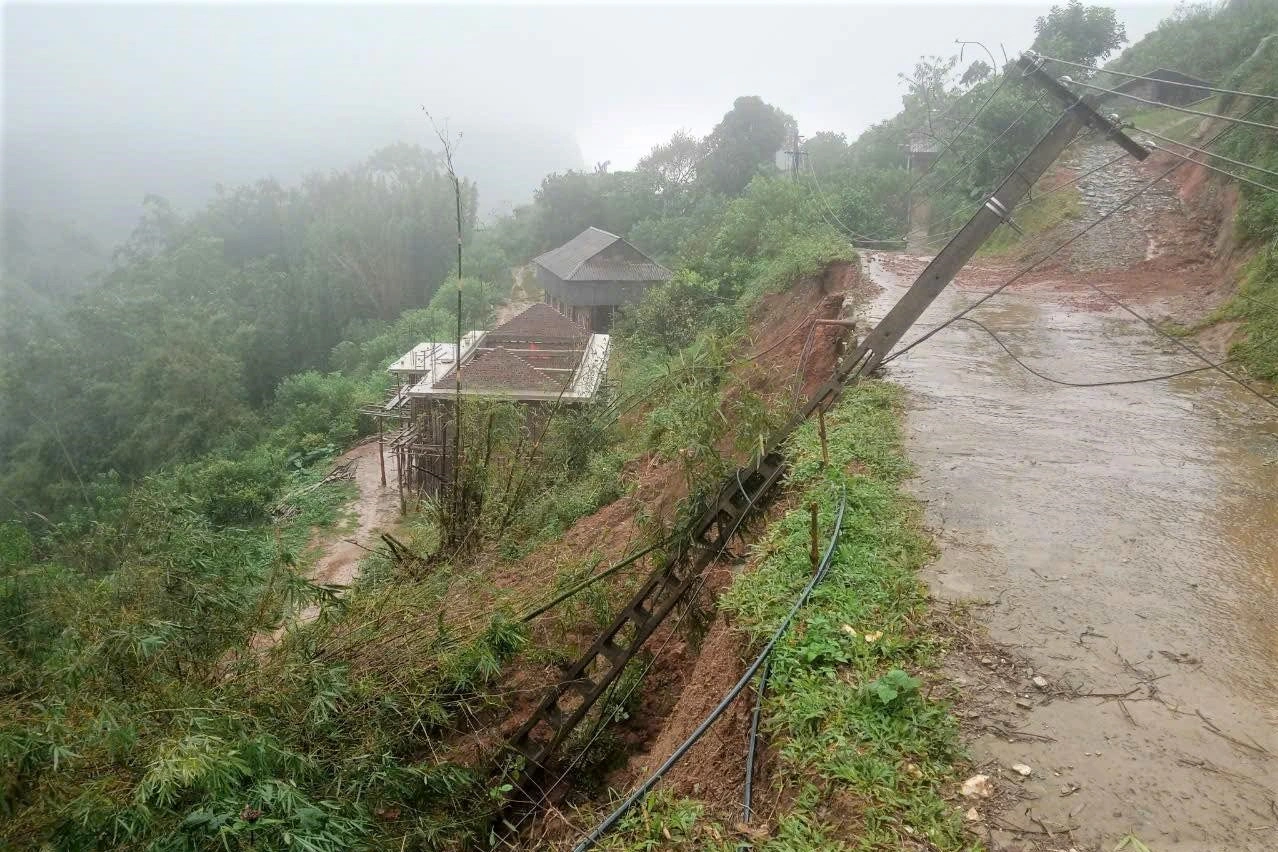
x=1147 y=514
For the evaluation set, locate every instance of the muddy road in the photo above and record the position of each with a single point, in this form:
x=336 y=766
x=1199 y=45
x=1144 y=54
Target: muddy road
x=1119 y=544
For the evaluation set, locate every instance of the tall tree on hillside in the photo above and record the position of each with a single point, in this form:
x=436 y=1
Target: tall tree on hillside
x=673 y=167
x=827 y=152
x=1078 y=33
x=747 y=138
x=927 y=91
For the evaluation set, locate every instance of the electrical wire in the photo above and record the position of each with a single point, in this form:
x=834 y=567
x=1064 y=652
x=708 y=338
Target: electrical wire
x=972 y=118
x=747 y=795
x=967 y=164
x=1200 y=113
x=1150 y=323
x=696 y=590
x=841 y=227
x=1215 y=89
x=1220 y=171
x=1030 y=199
x=1052 y=253
x=1208 y=153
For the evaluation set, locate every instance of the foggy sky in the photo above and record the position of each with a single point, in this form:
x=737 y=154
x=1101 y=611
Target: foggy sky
x=103 y=104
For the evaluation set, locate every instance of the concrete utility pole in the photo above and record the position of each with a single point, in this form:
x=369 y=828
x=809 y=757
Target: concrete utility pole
x=996 y=211
x=796 y=155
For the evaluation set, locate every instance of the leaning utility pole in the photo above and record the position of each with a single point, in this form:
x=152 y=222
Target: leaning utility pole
x=997 y=210
x=742 y=492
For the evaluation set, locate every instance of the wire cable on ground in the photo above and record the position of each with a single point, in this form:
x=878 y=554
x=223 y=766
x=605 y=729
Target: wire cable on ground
x=1215 y=89
x=747 y=808
x=590 y=581
x=692 y=594
x=1150 y=323
x=1066 y=383
x=1183 y=345
x=1200 y=113
x=642 y=790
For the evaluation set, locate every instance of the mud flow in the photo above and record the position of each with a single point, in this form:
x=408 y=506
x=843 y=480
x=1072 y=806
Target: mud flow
x=1120 y=545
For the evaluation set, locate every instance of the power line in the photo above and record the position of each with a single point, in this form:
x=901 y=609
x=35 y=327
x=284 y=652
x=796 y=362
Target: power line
x=693 y=593
x=1218 y=170
x=967 y=164
x=1196 y=112
x=841 y=227
x=1033 y=198
x=972 y=118
x=1183 y=345
x=1208 y=153
x=1040 y=261
x=642 y=790
x=1215 y=89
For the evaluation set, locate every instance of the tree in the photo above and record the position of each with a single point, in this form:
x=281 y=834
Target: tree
x=673 y=167
x=927 y=90
x=747 y=139
x=827 y=152
x=975 y=73
x=1078 y=33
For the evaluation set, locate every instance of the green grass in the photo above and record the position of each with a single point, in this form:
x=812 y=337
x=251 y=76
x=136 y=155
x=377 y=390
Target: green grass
x=866 y=757
x=1256 y=305
x=1035 y=217
x=1173 y=123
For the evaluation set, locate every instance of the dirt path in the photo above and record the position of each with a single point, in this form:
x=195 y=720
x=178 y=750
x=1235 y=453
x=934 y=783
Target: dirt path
x=1121 y=544
x=375 y=508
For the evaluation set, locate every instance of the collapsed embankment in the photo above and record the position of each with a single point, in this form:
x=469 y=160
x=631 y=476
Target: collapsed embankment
x=855 y=749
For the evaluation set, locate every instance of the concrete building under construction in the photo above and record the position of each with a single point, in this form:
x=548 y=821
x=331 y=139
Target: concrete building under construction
x=538 y=358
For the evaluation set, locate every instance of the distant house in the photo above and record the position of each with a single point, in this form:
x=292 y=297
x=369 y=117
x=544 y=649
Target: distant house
x=587 y=278
x=1165 y=86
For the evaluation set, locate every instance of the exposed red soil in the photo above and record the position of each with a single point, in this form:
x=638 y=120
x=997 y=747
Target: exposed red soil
x=686 y=677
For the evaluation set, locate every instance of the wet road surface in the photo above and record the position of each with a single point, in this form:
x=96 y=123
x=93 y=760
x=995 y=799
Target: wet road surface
x=1120 y=541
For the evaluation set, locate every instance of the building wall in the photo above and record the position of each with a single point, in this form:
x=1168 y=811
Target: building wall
x=590 y=304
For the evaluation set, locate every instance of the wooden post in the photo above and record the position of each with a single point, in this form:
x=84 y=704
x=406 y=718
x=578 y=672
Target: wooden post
x=813 y=555
x=381 y=450
x=399 y=475
x=825 y=451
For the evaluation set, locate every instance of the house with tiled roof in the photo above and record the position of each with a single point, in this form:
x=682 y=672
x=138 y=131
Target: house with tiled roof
x=592 y=275
x=538 y=358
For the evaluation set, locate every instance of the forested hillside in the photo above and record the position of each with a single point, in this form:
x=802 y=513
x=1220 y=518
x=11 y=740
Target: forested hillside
x=165 y=430
x=170 y=410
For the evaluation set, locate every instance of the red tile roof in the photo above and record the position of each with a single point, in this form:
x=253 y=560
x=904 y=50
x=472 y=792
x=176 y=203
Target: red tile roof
x=502 y=372
x=539 y=322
